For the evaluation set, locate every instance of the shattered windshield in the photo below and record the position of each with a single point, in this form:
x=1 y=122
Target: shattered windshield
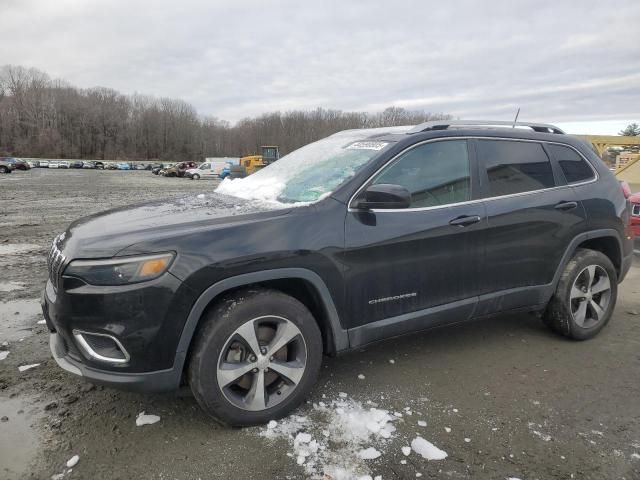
x=312 y=172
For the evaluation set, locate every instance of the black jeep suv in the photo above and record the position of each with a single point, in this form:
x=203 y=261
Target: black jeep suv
x=362 y=236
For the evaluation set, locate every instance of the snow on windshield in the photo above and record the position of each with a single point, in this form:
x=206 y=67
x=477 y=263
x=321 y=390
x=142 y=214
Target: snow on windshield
x=312 y=172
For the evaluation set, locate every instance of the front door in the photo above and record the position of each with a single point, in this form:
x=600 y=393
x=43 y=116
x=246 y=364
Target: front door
x=406 y=261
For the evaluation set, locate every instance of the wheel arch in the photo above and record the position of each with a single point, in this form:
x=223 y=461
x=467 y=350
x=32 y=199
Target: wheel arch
x=606 y=241
x=302 y=284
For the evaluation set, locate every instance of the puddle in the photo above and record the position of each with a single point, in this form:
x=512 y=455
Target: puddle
x=11 y=286
x=19 y=441
x=17 y=318
x=10 y=248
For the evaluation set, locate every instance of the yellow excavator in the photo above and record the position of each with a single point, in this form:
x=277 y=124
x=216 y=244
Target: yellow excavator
x=252 y=163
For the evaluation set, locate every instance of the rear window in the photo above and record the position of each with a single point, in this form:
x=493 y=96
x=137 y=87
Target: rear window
x=574 y=167
x=514 y=167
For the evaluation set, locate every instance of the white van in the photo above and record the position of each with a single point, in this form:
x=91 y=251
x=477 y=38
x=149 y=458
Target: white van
x=211 y=168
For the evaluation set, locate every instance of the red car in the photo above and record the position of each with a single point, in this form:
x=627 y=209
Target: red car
x=635 y=214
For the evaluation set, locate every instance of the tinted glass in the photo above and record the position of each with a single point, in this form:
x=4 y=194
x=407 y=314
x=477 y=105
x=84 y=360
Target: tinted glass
x=515 y=167
x=435 y=173
x=573 y=166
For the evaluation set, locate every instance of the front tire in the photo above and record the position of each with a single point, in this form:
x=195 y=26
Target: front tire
x=256 y=357
x=195 y=176
x=585 y=296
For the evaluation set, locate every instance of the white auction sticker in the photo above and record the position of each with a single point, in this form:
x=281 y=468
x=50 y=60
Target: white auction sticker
x=367 y=145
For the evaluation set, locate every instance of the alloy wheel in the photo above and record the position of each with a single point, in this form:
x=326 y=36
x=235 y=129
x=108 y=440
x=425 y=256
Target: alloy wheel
x=262 y=363
x=590 y=296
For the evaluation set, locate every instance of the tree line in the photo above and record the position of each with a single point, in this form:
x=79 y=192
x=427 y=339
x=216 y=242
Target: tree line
x=42 y=117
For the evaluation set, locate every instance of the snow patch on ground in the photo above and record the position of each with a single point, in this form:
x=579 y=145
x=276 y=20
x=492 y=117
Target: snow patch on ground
x=72 y=462
x=542 y=436
x=336 y=439
x=24 y=368
x=427 y=449
x=369 y=453
x=11 y=286
x=4 y=354
x=11 y=248
x=144 y=419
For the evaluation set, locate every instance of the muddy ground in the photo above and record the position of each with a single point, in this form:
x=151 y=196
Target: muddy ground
x=503 y=397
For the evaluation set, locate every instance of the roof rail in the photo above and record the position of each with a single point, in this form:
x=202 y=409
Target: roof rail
x=445 y=124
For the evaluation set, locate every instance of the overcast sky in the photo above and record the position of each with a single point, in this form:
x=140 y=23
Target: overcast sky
x=560 y=61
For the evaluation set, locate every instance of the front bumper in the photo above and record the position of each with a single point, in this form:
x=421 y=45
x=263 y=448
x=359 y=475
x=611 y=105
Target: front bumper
x=159 y=381
x=146 y=318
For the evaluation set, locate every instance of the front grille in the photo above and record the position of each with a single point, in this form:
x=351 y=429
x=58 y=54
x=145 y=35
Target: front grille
x=636 y=211
x=55 y=263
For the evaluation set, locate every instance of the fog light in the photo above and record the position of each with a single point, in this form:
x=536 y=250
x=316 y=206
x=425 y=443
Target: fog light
x=101 y=346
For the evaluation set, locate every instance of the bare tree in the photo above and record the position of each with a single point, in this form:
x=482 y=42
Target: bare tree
x=40 y=117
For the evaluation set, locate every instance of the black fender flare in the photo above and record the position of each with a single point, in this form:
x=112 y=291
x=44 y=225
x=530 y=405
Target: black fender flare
x=340 y=336
x=573 y=246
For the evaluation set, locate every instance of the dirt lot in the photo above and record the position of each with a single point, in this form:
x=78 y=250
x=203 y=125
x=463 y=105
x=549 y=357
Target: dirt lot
x=503 y=397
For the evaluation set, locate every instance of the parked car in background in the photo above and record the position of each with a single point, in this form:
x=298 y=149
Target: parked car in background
x=17 y=163
x=141 y=166
x=76 y=164
x=635 y=214
x=63 y=164
x=99 y=165
x=179 y=169
x=34 y=163
x=233 y=170
x=123 y=166
x=88 y=165
x=156 y=167
x=44 y=163
x=6 y=167
x=209 y=169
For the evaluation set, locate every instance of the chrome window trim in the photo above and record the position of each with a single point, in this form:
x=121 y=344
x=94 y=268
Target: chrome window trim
x=78 y=335
x=477 y=200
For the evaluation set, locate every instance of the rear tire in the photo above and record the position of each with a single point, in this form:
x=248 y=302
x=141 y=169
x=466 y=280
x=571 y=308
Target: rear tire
x=4 y=169
x=259 y=385
x=585 y=296
x=195 y=176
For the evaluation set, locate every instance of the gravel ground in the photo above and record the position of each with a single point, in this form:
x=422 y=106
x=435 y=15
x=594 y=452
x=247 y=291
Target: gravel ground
x=503 y=397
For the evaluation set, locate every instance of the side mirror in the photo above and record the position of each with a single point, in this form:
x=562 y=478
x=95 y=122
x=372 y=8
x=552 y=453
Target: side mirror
x=384 y=196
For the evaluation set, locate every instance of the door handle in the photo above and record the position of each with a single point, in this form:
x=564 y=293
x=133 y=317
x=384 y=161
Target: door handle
x=465 y=220
x=566 y=205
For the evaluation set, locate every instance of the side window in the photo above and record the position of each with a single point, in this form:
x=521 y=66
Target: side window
x=435 y=173
x=205 y=166
x=574 y=167
x=514 y=167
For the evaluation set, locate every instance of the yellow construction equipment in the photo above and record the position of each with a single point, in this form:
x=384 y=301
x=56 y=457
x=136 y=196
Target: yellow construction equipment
x=253 y=163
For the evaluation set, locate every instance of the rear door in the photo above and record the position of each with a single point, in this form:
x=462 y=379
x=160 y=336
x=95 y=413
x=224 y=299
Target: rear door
x=407 y=260
x=532 y=216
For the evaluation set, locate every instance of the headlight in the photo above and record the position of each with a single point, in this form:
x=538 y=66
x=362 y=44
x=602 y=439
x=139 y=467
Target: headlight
x=119 y=271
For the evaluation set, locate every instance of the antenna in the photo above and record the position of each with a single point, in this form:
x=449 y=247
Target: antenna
x=516 y=119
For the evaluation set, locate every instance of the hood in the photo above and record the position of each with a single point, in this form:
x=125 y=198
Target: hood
x=105 y=234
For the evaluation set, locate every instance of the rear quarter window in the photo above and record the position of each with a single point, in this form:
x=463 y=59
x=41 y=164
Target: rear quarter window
x=574 y=167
